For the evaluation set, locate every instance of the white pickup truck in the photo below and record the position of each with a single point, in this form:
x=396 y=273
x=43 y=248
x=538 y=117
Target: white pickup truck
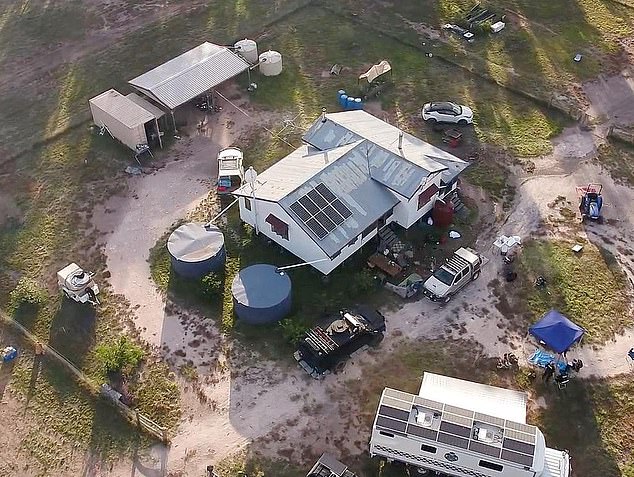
x=463 y=267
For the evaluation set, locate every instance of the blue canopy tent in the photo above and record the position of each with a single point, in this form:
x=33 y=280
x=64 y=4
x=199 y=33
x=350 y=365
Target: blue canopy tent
x=556 y=331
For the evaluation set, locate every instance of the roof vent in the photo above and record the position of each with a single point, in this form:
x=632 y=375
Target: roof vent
x=400 y=140
x=323 y=115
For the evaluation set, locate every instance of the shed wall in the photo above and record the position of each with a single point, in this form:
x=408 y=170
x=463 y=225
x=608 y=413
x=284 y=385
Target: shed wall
x=128 y=136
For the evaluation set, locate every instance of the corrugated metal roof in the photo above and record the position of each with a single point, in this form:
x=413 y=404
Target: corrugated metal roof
x=122 y=108
x=491 y=400
x=145 y=104
x=191 y=74
x=349 y=180
x=292 y=171
x=343 y=127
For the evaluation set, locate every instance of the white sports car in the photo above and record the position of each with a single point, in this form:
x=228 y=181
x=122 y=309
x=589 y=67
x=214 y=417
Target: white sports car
x=447 y=112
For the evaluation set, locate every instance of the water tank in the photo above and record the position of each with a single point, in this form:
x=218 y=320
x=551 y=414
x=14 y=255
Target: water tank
x=270 y=63
x=343 y=100
x=196 y=250
x=261 y=294
x=442 y=213
x=248 y=49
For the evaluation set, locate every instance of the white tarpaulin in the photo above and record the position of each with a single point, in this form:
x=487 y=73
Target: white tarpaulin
x=505 y=243
x=376 y=71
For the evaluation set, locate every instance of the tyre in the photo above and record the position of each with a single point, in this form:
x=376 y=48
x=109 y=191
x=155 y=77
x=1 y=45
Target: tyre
x=475 y=276
x=462 y=122
x=446 y=299
x=431 y=120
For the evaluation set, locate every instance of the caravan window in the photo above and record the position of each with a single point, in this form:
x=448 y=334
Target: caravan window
x=247 y=203
x=490 y=465
x=278 y=226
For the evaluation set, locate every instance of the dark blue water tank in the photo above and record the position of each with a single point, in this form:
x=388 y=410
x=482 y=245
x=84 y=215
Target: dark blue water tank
x=261 y=294
x=196 y=250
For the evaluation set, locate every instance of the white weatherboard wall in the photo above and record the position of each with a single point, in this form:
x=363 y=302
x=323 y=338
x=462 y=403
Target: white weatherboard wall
x=406 y=213
x=299 y=242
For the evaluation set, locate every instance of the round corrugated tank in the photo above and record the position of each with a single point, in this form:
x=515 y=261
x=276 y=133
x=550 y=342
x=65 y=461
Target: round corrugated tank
x=196 y=249
x=248 y=49
x=261 y=294
x=442 y=214
x=270 y=63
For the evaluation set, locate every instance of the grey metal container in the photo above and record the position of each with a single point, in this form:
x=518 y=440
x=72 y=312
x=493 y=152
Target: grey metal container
x=261 y=294
x=196 y=250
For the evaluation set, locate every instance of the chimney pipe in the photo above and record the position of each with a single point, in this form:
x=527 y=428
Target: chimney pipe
x=323 y=115
x=400 y=140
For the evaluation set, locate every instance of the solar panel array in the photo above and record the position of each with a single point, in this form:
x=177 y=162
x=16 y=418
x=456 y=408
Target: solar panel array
x=457 y=427
x=321 y=210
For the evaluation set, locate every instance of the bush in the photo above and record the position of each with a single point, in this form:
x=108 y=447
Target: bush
x=293 y=329
x=363 y=283
x=120 y=356
x=27 y=293
x=212 y=285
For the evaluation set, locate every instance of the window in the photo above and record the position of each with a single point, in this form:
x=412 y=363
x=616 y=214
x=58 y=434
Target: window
x=490 y=465
x=278 y=226
x=386 y=434
x=426 y=195
x=247 y=203
x=426 y=448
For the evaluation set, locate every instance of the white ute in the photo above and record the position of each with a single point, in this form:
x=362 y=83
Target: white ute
x=77 y=284
x=463 y=267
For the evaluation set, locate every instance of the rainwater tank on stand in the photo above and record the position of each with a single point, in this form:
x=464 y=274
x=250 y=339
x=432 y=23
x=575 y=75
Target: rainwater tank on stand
x=248 y=49
x=270 y=63
x=261 y=294
x=196 y=249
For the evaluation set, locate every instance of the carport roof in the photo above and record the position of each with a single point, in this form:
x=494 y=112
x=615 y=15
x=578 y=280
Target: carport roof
x=122 y=108
x=181 y=79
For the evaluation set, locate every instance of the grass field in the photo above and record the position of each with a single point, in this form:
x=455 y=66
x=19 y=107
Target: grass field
x=602 y=308
x=617 y=157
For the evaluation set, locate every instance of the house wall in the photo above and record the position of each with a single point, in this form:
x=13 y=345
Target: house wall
x=128 y=136
x=407 y=450
x=407 y=213
x=299 y=242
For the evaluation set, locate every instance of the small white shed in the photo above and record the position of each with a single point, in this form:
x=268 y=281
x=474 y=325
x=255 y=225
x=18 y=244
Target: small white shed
x=127 y=120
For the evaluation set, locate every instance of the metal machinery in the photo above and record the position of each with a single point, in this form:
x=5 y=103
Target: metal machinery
x=77 y=284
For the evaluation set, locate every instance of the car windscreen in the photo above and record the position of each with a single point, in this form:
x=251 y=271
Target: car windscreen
x=224 y=182
x=444 y=276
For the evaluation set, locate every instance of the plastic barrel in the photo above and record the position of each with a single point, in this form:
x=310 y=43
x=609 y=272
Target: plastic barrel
x=358 y=104
x=343 y=100
x=350 y=103
x=340 y=93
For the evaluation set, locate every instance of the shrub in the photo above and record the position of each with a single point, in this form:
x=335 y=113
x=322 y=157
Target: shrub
x=293 y=329
x=212 y=285
x=120 y=356
x=27 y=293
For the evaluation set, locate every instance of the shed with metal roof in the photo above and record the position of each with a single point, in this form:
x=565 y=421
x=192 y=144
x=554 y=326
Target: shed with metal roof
x=189 y=75
x=125 y=119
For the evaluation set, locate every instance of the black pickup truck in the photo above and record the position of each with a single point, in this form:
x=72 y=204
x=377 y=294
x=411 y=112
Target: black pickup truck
x=325 y=348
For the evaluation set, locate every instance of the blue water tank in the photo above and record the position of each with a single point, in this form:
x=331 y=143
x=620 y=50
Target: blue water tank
x=358 y=104
x=340 y=93
x=261 y=294
x=196 y=250
x=343 y=100
x=350 y=102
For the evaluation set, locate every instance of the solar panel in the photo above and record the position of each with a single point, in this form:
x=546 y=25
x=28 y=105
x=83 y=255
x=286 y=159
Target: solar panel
x=519 y=446
x=317 y=198
x=395 y=413
x=316 y=228
x=454 y=429
x=391 y=424
x=341 y=208
x=517 y=458
x=325 y=192
x=321 y=210
x=309 y=205
x=300 y=211
x=484 y=449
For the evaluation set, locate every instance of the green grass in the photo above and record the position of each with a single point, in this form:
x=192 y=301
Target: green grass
x=618 y=158
x=594 y=420
x=494 y=178
x=589 y=287
x=251 y=464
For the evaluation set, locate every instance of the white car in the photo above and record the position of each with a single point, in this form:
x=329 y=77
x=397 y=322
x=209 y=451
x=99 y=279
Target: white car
x=447 y=112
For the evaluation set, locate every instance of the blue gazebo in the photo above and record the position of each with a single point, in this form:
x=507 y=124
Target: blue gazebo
x=557 y=332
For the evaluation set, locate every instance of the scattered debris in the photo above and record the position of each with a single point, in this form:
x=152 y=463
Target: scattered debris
x=336 y=69
x=454 y=235
x=577 y=248
x=9 y=354
x=134 y=171
x=497 y=27
x=578 y=57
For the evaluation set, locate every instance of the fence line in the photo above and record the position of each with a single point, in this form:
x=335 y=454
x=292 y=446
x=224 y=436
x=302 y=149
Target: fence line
x=132 y=415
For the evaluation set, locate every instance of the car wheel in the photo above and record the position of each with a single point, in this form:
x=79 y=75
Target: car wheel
x=462 y=122
x=431 y=120
x=476 y=275
x=446 y=299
